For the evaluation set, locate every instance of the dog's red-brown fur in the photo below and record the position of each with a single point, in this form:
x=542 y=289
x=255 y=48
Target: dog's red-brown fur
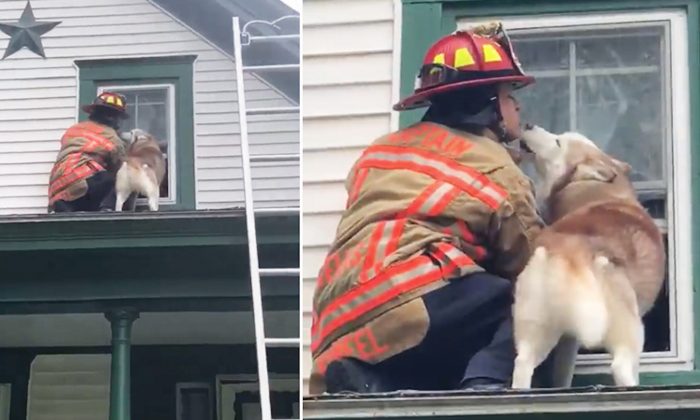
x=142 y=172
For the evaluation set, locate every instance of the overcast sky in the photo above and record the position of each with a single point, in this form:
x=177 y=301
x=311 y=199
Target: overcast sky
x=294 y=4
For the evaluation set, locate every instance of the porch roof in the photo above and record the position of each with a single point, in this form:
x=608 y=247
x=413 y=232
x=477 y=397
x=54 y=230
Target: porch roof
x=450 y=404
x=169 y=261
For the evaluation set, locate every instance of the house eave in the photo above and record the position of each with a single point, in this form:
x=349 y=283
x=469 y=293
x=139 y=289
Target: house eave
x=143 y=229
x=287 y=49
x=461 y=403
x=178 y=261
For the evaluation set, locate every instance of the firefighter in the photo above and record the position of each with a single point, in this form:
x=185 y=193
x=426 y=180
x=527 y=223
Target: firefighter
x=416 y=290
x=82 y=179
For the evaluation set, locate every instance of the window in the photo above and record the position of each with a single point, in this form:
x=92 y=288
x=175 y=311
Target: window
x=194 y=401
x=622 y=80
x=5 y=401
x=159 y=94
x=239 y=397
x=152 y=109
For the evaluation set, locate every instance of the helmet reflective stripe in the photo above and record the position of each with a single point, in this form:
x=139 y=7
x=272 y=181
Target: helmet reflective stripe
x=112 y=99
x=463 y=58
x=490 y=54
x=466 y=59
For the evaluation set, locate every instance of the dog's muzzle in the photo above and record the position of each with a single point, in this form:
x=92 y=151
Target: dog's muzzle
x=524 y=147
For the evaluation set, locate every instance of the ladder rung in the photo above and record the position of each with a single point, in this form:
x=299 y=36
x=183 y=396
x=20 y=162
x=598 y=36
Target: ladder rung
x=279 y=271
x=273 y=37
x=282 y=342
x=280 y=110
x=270 y=67
x=274 y=158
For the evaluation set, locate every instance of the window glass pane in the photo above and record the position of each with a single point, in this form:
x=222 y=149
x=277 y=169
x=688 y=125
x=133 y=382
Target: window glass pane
x=619 y=99
x=151 y=116
x=246 y=405
x=541 y=52
x=613 y=48
x=625 y=117
x=196 y=404
x=552 y=113
x=657 y=323
x=149 y=111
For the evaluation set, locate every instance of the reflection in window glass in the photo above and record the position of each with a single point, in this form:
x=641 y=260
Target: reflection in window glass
x=606 y=83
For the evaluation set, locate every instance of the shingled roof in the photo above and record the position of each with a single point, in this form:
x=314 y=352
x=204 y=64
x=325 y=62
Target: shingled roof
x=212 y=19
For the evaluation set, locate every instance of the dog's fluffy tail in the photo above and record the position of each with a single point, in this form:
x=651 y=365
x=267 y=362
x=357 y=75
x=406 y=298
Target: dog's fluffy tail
x=590 y=314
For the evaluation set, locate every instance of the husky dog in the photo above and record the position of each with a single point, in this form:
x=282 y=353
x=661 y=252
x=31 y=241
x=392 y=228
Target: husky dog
x=143 y=171
x=595 y=270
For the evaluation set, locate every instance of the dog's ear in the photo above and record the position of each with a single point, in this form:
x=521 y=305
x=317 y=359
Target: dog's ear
x=126 y=136
x=593 y=170
x=623 y=167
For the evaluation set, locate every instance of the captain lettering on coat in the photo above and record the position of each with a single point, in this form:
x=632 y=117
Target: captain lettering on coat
x=432 y=139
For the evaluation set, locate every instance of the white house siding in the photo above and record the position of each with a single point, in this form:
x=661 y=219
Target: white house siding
x=349 y=51
x=38 y=101
x=69 y=386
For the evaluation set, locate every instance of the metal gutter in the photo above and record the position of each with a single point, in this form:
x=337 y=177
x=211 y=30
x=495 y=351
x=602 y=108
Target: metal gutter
x=460 y=403
x=237 y=212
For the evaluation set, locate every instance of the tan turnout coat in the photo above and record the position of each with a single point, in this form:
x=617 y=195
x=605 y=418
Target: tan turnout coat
x=426 y=204
x=86 y=148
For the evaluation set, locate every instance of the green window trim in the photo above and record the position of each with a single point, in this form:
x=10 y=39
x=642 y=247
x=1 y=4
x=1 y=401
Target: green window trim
x=175 y=70
x=424 y=21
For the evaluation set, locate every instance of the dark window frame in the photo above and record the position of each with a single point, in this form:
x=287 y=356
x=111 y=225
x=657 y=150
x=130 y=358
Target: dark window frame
x=175 y=70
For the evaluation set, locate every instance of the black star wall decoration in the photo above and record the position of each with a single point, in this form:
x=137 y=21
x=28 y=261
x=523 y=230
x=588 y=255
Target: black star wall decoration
x=26 y=32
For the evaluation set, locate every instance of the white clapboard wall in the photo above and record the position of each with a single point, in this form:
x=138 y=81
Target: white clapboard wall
x=38 y=102
x=348 y=93
x=69 y=386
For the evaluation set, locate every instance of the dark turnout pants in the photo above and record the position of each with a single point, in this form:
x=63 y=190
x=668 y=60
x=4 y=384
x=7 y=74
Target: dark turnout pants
x=469 y=344
x=470 y=336
x=101 y=195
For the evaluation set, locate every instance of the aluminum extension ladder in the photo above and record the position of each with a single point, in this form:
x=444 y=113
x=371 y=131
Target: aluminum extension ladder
x=261 y=341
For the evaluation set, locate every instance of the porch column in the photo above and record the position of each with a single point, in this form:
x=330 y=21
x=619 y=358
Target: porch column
x=120 y=388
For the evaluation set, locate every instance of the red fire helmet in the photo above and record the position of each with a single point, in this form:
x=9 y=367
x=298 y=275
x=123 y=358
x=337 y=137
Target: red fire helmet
x=479 y=56
x=111 y=100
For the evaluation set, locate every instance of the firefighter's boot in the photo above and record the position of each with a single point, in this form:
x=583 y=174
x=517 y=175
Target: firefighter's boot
x=352 y=375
